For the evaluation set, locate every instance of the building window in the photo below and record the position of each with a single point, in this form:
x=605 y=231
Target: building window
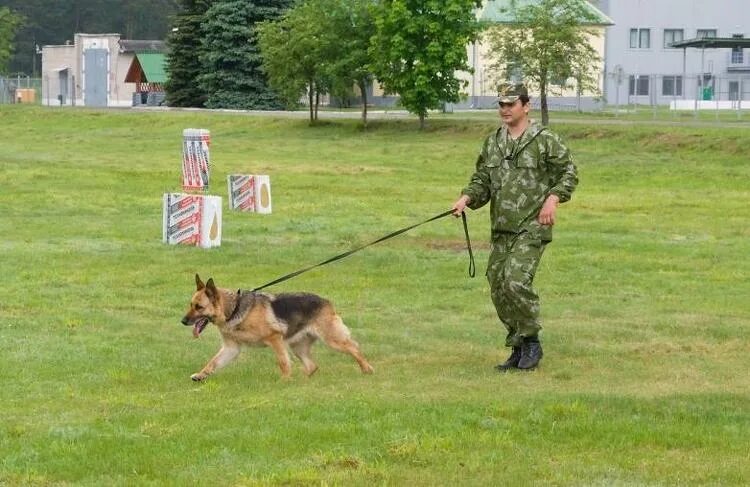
x=640 y=38
x=737 y=52
x=671 y=36
x=671 y=86
x=703 y=33
x=638 y=85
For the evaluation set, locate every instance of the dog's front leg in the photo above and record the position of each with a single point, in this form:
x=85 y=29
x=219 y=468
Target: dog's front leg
x=227 y=353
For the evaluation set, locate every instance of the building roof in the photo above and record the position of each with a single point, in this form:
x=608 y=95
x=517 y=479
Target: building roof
x=148 y=67
x=128 y=45
x=713 y=42
x=503 y=12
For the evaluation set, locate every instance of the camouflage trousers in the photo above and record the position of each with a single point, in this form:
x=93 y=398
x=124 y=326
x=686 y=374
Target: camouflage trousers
x=510 y=272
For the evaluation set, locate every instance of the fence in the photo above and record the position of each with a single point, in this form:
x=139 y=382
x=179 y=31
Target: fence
x=665 y=96
x=659 y=96
x=694 y=92
x=20 y=89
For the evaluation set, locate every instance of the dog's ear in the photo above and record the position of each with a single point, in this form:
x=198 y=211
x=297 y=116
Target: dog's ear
x=198 y=283
x=211 y=290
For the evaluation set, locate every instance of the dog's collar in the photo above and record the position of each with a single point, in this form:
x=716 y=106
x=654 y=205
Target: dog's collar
x=236 y=305
x=244 y=301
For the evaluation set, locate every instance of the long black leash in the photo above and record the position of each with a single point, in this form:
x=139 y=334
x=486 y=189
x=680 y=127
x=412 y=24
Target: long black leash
x=472 y=267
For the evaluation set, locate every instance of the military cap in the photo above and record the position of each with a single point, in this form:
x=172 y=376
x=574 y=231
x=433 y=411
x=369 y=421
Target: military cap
x=511 y=92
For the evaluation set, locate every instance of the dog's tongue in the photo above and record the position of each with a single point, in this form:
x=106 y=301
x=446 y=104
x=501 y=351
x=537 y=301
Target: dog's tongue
x=197 y=330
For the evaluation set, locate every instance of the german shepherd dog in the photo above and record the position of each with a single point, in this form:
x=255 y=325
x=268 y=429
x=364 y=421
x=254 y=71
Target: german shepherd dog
x=261 y=319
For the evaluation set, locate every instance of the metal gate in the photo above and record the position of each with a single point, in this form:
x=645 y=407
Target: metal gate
x=95 y=77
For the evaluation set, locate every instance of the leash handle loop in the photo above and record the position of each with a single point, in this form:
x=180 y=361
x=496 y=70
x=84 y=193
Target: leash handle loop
x=472 y=265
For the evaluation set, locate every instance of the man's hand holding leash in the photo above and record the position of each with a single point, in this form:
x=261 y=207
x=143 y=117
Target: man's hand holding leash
x=460 y=205
x=546 y=214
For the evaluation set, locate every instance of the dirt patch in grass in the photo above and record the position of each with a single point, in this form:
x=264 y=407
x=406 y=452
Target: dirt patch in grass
x=457 y=246
x=714 y=142
x=729 y=142
x=592 y=133
x=672 y=140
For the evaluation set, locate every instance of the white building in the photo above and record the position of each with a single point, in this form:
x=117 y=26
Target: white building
x=91 y=71
x=643 y=66
x=482 y=88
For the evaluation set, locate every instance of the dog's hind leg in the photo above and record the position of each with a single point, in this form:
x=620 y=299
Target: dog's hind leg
x=225 y=355
x=301 y=348
x=336 y=335
x=276 y=342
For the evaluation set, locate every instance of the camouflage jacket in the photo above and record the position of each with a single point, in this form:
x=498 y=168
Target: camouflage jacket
x=517 y=176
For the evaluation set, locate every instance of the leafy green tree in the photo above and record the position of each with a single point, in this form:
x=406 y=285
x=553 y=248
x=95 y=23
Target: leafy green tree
x=233 y=76
x=348 y=63
x=419 y=46
x=305 y=52
x=9 y=23
x=184 y=45
x=55 y=22
x=549 y=43
x=294 y=55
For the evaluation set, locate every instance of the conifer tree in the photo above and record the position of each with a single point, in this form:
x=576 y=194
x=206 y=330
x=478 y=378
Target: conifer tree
x=233 y=76
x=183 y=58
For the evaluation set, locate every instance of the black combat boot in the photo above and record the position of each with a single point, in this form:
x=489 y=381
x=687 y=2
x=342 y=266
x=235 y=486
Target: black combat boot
x=531 y=353
x=512 y=361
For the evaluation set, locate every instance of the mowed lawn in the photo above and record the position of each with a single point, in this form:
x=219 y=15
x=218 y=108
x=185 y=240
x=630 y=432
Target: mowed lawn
x=644 y=299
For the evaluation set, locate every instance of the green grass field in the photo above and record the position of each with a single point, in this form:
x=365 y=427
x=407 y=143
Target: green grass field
x=644 y=299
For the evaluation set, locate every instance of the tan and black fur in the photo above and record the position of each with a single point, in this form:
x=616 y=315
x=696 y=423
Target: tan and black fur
x=296 y=320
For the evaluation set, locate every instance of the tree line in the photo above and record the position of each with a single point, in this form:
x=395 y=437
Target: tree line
x=269 y=54
x=45 y=22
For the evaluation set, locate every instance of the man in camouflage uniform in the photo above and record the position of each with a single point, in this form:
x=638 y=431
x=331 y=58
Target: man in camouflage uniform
x=524 y=171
